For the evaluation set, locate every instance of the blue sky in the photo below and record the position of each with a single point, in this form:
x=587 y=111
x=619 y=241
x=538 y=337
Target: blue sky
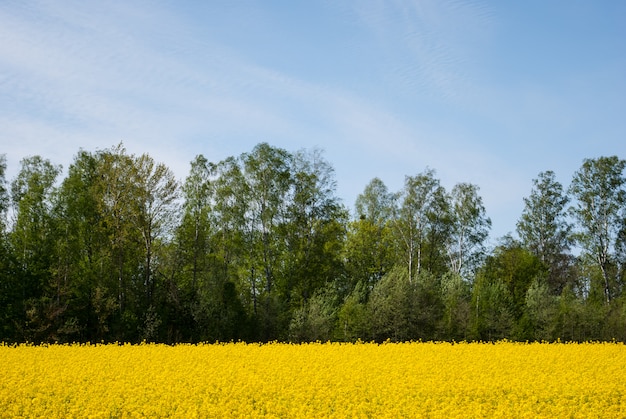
x=487 y=92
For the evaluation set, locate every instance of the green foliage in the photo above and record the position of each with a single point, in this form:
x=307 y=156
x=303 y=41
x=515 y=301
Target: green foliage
x=4 y=194
x=258 y=247
x=316 y=319
x=469 y=228
x=541 y=309
x=392 y=307
x=515 y=268
x=599 y=187
x=456 y=299
x=369 y=252
x=545 y=230
x=31 y=241
x=491 y=316
x=421 y=223
x=403 y=309
x=353 y=317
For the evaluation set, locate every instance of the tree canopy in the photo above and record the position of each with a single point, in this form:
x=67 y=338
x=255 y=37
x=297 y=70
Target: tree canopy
x=259 y=247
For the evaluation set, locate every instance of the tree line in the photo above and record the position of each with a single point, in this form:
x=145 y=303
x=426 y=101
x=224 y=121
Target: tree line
x=258 y=247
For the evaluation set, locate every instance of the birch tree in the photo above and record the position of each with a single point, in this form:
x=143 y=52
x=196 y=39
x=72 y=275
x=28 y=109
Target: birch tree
x=600 y=208
x=419 y=204
x=156 y=208
x=469 y=229
x=544 y=229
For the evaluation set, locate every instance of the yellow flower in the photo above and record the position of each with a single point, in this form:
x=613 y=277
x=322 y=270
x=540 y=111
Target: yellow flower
x=314 y=380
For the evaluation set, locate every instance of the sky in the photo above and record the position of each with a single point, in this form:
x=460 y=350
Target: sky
x=486 y=92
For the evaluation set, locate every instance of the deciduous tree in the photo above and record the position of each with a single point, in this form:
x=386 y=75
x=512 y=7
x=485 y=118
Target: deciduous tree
x=421 y=210
x=545 y=230
x=600 y=208
x=32 y=239
x=468 y=231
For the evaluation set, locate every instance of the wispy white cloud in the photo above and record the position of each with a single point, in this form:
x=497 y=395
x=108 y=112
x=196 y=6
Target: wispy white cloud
x=80 y=76
x=430 y=44
x=85 y=76
x=412 y=91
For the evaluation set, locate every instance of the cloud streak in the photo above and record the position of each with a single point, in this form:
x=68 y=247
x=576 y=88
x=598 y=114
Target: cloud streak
x=85 y=77
x=393 y=87
x=430 y=43
x=85 y=74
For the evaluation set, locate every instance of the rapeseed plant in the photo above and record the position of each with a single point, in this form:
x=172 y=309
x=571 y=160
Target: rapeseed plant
x=314 y=380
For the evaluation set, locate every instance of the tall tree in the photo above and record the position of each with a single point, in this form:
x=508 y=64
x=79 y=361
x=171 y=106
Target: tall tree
x=32 y=239
x=469 y=229
x=119 y=200
x=313 y=230
x=82 y=250
x=156 y=209
x=420 y=214
x=600 y=208
x=191 y=278
x=369 y=249
x=267 y=174
x=375 y=203
x=544 y=229
x=4 y=194
x=195 y=229
x=500 y=291
x=252 y=201
x=8 y=283
x=235 y=232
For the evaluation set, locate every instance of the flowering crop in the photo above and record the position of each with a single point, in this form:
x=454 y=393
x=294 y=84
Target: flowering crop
x=314 y=380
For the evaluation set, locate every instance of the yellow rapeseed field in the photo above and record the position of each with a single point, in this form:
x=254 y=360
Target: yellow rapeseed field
x=314 y=380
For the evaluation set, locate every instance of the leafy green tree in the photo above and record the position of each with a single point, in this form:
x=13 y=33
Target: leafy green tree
x=456 y=299
x=79 y=248
x=469 y=229
x=492 y=317
x=267 y=175
x=9 y=295
x=599 y=189
x=155 y=213
x=315 y=320
x=115 y=194
x=544 y=229
x=353 y=319
x=420 y=223
x=115 y=215
x=375 y=203
x=503 y=283
x=196 y=268
x=252 y=197
x=369 y=249
x=234 y=231
x=541 y=311
x=314 y=228
x=401 y=309
x=32 y=240
x=4 y=194
x=213 y=239
x=196 y=228
x=393 y=307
